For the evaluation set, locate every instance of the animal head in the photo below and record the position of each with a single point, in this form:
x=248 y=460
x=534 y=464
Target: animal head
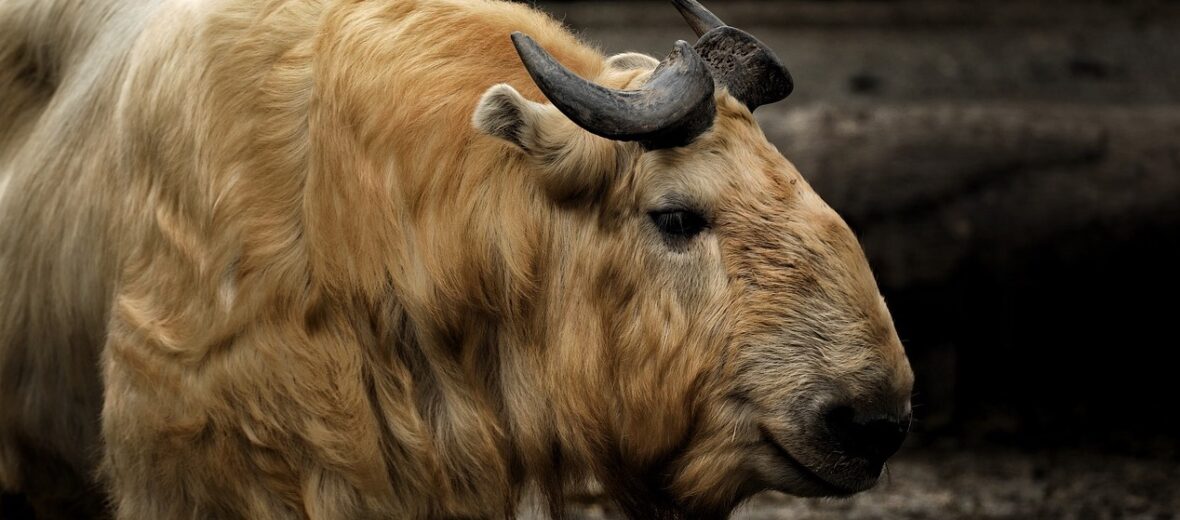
x=714 y=329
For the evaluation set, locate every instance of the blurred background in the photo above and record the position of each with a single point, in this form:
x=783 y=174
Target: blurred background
x=1013 y=171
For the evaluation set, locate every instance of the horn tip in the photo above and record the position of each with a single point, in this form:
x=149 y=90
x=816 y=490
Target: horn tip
x=698 y=17
x=523 y=43
x=521 y=39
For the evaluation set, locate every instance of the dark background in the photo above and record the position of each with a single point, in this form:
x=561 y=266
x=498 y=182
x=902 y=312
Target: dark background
x=1013 y=171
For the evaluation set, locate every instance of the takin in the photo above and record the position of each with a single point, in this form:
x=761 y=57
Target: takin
x=421 y=259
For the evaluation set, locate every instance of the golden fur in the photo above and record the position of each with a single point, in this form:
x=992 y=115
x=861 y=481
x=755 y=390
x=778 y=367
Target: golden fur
x=256 y=261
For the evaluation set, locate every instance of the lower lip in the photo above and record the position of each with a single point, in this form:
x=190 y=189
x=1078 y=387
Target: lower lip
x=810 y=476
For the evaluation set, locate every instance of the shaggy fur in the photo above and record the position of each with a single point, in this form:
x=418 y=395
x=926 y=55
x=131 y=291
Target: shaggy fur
x=257 y=262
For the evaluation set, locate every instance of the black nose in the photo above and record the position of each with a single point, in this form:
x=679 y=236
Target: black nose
x=872 y=436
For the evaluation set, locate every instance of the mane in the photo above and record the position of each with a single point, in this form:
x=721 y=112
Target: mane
x=316 y=256
x=405 y=224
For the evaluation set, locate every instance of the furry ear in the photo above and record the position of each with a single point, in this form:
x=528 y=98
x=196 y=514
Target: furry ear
x=502 y=112
x=628 y=61
x=572 y=162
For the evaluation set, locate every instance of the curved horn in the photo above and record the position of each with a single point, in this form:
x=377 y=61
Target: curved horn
x=701 y=19
x=745 y=66
x=673 y=107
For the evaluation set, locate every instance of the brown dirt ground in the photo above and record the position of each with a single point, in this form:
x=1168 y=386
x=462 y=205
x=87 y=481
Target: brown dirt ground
x=991 y=483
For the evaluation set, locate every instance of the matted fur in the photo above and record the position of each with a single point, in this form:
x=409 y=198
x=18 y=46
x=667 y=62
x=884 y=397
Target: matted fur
x=256 y=262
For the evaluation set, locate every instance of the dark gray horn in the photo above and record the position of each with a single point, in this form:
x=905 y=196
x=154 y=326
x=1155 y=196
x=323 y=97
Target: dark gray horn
x=745 y=66
x=673 y=108
x=701 y=19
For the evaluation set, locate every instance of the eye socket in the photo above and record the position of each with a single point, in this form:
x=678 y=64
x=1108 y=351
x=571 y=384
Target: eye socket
x=680 y=224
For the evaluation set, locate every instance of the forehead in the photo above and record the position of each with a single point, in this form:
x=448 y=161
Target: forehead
x=754 y=194
x=732 y=161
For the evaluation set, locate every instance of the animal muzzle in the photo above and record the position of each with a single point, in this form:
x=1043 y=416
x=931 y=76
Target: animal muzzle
x=865 y=433
x=839 y=446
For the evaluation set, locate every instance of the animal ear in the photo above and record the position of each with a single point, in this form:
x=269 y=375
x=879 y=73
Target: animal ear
x=628 y=61
x=571 y=162
x=502 y=112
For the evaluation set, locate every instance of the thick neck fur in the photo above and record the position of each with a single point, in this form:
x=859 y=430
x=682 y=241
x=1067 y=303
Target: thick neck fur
x=379 y=220
x=328 y=295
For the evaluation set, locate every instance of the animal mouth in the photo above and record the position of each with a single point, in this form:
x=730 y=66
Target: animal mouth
x=825 y=486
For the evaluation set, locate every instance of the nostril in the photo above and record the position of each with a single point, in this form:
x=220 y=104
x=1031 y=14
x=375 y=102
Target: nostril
x=883 y=437
x=841 y=422
x=874 y=437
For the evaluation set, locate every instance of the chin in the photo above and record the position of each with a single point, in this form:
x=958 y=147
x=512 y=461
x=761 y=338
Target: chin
x=780 y=469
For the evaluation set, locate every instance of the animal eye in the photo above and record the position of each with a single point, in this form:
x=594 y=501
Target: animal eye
x=679 y=223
